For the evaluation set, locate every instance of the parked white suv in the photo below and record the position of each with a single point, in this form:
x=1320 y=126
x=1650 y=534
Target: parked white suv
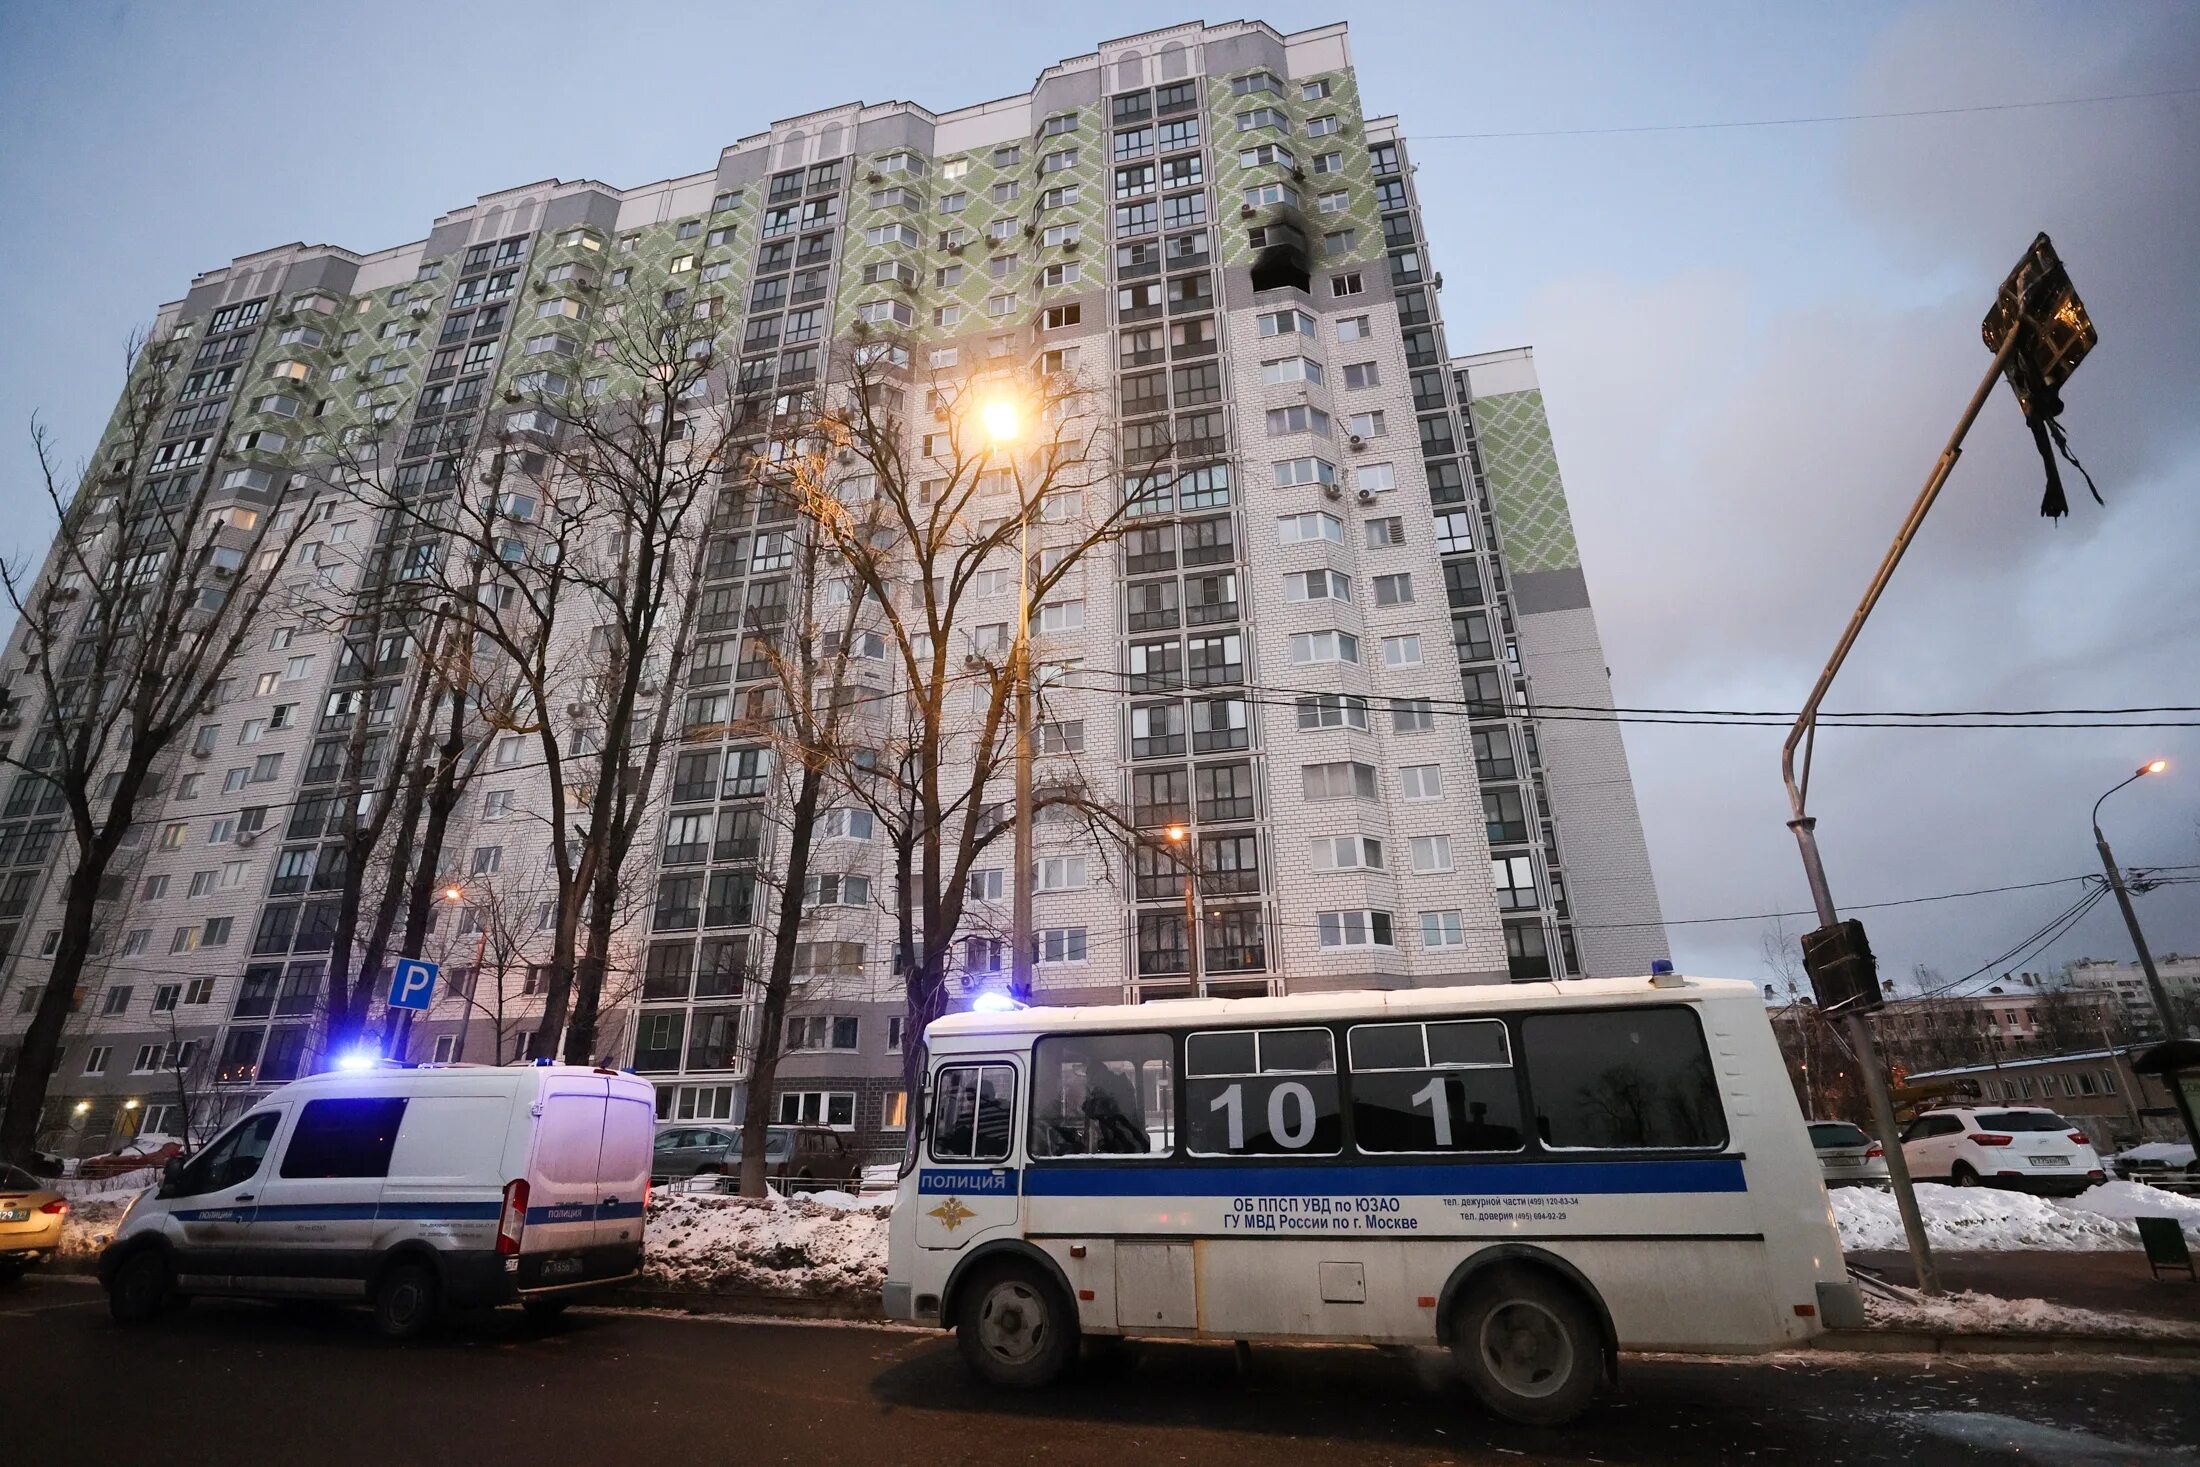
x=2025 y=1148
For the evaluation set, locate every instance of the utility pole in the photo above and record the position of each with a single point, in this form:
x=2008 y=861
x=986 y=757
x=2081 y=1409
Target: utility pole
x=1003 y=423
x=2115 y=874
x=2039 y=331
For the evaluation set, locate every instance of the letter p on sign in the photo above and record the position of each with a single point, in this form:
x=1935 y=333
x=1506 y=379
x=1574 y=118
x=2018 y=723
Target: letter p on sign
x=412 y=984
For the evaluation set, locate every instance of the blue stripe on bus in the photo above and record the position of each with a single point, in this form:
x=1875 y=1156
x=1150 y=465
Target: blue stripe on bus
x=1476 y=1179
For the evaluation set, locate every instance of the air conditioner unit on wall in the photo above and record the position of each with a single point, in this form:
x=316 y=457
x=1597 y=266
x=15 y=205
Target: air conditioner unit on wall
x=1355 y=440
x=1367 y=496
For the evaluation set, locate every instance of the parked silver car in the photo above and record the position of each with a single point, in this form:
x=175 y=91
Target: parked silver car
x=799 y=1157
x=1847 y=1156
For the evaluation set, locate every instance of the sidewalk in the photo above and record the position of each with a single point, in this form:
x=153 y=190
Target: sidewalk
x=2110 y=1282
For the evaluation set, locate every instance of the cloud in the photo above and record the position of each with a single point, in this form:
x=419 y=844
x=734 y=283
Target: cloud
x=1738 y=461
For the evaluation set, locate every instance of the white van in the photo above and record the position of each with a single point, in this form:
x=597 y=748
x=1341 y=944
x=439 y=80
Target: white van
x=408 y=1187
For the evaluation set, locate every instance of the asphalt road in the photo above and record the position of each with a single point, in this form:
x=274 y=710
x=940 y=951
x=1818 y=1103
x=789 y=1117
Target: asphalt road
x=233 y=1383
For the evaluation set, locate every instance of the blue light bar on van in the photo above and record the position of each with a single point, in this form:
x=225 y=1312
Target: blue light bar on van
x=362 y=1057
x=1660 y=967
x=994 y=1002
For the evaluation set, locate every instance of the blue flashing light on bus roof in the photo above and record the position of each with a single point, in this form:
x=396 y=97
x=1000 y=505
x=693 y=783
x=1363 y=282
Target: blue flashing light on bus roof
x=361 y=1057
x=994 y=1002
x=1661 y=967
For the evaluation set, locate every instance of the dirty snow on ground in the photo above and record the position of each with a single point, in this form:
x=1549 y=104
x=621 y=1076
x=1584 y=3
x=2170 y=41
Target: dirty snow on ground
x=1985 y=1217
x=92 y=1221
x=1891 y=1306
x=800 y=1246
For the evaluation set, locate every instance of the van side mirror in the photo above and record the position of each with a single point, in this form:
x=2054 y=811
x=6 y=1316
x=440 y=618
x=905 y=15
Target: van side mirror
x=172 y=1170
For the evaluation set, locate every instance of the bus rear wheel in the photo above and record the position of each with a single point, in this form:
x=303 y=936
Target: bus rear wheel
x=1529 y=1347
x=1014 y=1327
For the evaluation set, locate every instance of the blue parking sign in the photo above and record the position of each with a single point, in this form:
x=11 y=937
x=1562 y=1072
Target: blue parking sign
x=412 y=985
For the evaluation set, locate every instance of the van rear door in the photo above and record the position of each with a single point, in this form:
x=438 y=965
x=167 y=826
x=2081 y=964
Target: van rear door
x=562 y=1187
x=622 y=1166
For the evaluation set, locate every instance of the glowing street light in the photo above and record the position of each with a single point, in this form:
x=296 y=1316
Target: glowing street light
x=2115 y=875
x=1002 y=422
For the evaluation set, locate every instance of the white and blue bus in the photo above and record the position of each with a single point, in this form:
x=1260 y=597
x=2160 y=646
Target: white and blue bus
x=1537 y=1176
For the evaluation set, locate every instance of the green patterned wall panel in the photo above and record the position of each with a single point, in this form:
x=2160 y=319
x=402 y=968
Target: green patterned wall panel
x=1523 y=475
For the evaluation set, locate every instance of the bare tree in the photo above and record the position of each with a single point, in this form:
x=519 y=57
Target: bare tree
x=162 y=566
x=1017 y=463
x=810 y=705
x=576 y=570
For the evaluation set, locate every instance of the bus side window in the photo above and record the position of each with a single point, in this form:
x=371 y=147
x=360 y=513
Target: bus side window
x=973 y=1115
x=1103 y=1095
x=1442 y=1086
x=1262 y=1092
x=1622 y=1079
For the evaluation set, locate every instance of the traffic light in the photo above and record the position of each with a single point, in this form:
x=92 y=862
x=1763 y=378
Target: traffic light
x=2053 y=333
x=1843 y=973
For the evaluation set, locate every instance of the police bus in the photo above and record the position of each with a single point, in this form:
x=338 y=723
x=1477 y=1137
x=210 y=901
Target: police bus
x=1537 y=1176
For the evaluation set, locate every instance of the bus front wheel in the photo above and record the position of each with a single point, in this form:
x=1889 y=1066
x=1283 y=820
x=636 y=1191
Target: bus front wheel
x=1529 y=1347
x=1014 y=1327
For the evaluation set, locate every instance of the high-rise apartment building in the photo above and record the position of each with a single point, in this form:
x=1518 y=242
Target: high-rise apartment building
x=1318 y=654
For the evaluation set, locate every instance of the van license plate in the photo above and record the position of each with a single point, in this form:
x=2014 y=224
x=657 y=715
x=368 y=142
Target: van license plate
x=16 y=1214
x=558 y=1268
x=2050 y=1161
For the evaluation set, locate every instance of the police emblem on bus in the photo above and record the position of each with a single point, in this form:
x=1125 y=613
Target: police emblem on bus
x=952 y=1214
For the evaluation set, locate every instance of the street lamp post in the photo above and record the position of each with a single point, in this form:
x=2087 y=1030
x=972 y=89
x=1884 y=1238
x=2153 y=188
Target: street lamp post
x=1003 y=424
x=2115 y=875
x=1179 y=835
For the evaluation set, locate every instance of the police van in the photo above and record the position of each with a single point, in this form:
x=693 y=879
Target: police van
x=1538 y=1176
x=409 y=1188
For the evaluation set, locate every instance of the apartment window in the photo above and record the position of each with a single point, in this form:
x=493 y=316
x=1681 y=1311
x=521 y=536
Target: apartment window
x=1059 y=873
x=1354 y=929
x=1062 y=945
x=1513 y=878
x=1294 y=472
x=1354 y=328
x=822 y=1031
x=1431 y=853
x=1298 y=418
x=1411 y=715
x=1347 y=853
x=1291 y=369
x=832 y=1108
x=1402 y=651
x=1302 y=529
x=1342 y=780
x=1443 y=929
x=1285 y=323
x=1056 y=317
x=1317 y=585
x=1332 y=710
x=1309 y=648
x=1391 y=590
x=1422 y=781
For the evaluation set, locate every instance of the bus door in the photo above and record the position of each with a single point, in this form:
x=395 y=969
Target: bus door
x=968 y=1187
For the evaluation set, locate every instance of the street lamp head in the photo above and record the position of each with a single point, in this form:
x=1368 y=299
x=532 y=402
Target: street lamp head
x=2156 y=767
x=1176 y=832
x=453 y=894
x=1002 y=423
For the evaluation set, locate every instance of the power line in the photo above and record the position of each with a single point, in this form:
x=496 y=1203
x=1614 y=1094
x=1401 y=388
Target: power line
x=1579 y=132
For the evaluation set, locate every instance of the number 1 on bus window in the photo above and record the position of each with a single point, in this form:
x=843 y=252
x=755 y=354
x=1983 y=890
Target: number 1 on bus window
x=1231 y=1102
x=1432 y=1096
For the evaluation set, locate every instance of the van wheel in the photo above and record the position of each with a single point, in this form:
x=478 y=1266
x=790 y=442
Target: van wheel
x=1014 y=1327
x=1529 y=1347
x=1964 y=1176
x=406 y=1301
x=141 y=1289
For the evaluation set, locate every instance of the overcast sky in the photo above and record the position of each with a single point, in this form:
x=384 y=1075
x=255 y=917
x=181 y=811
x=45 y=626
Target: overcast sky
x=1753 y=340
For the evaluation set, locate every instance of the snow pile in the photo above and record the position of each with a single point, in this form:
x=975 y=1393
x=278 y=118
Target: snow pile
x=2136 y=1199
x=1891 y=1306
x=801 y=1247
x=1985 y=1217
x=123 y=1184
x=91 y=1222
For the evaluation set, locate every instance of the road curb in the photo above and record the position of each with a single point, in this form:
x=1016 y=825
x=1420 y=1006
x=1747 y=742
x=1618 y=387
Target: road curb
x=746 y=1302
x=1931 y=1342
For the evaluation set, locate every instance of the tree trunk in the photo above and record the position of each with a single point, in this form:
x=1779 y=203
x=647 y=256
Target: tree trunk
x=779 y=983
